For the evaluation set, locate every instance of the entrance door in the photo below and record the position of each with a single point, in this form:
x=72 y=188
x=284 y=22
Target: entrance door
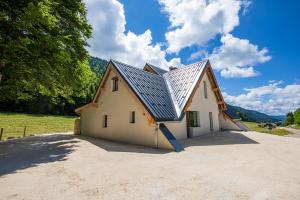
x=211 y=123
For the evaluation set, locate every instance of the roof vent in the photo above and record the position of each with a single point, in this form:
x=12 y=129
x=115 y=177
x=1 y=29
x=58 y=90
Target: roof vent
x=172 y=68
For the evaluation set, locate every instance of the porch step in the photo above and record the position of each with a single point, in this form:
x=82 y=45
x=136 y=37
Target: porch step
x=170 y=137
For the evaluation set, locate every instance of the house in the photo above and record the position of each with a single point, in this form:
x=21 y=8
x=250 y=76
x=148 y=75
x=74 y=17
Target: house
x=155 y=107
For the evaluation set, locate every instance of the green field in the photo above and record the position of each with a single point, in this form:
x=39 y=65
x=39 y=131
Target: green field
x=14 y=123
x=253 y=126
x=296 y=126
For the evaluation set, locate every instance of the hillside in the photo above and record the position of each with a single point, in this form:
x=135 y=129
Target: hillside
x=254 y=116
x=98 y=65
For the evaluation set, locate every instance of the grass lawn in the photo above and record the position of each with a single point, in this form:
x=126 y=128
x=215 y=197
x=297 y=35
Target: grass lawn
x=14 y=123
x=253 y=126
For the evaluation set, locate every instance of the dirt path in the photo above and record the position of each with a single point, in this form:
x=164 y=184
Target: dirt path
x=293 y=130
x=231 y=165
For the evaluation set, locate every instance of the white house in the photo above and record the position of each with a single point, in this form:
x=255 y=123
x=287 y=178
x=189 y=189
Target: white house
x=154 y=107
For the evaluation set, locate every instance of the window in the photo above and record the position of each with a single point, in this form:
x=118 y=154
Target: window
x=114 y=84
x=193 y=119
x=132 y=117
x=105 y=121
x=205 y=89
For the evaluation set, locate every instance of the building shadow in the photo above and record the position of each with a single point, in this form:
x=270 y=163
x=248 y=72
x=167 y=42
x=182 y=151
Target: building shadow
x=31 y=151
x=218 y=138
x=113 y=146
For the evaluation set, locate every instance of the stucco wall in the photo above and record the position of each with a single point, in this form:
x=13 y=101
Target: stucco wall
x=178 y=128
x=118 y=106
x=227 y=124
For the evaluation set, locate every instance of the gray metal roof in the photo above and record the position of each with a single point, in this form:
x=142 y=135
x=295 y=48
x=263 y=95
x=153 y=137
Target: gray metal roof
x=158 y=70
x=182 y=81
x=151 y=90
x=166 y=94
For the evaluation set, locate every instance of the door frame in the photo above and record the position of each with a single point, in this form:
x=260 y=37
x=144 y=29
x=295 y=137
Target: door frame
x=188 y=132
x=211 y=122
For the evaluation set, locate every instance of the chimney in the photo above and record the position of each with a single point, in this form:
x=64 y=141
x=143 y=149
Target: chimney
x=172 y=68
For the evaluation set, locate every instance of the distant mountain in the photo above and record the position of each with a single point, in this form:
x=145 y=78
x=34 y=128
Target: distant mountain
x=254 y=116
x=98 y=65
x=279 y=117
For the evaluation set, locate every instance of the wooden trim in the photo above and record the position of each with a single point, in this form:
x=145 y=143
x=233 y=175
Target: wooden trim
x=216 y=87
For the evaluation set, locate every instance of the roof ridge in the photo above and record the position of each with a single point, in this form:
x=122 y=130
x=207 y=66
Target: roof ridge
x=133 y=67
x=151 y=65
x=189 y=65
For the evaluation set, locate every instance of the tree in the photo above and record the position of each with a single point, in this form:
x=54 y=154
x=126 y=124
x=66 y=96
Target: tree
x=297 y=116
x=289 y=119
x=42 y=50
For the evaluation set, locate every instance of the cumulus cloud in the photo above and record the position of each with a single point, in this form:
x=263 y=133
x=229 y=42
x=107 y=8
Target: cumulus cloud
x=195 y=22
x=198 y=54
x=236 y=57
x=111 y=41
x=272 y=99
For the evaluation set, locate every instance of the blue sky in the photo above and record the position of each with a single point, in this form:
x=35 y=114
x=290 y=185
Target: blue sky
x=252 y=45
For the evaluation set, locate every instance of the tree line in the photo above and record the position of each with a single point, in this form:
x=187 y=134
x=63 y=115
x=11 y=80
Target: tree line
x=292 y=118
x=44 y=64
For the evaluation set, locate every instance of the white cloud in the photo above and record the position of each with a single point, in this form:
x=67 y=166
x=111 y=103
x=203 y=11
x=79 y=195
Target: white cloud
x=272 y=99
x=246 y=4
x=111 y=41
x=195 y=22
x=198 y=54
x=236 y=57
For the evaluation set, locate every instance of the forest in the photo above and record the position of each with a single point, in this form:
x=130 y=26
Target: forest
x=45 y=66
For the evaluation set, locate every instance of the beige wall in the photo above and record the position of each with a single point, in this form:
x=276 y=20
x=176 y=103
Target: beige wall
x=227 y=124
x=178 y=128
x=118 y=105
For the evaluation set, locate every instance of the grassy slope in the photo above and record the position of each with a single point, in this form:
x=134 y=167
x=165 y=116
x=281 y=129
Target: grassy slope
x=13 y=124
x=277 y=131
x=297 y=126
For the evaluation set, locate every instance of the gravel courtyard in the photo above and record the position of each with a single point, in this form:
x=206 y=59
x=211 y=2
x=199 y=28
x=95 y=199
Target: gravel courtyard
x=227 y=165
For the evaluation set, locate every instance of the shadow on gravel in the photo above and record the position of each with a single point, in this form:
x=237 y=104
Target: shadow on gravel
x=31 y=151
x=122 y=147
x=219 y=138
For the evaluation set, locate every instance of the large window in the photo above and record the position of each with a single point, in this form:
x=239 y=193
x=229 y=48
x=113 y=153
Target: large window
x=193 y=119
x=132 y=117
x=205 y=89
x=114 y=84
x=105 y=121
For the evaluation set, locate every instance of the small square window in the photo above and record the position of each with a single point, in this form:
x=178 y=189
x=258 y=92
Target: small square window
x=105 y=121
x=132 y=117
x=114 y=84
x=205 y=89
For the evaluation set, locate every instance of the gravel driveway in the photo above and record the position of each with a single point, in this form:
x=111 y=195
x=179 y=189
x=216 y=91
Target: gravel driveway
x=231 y=165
